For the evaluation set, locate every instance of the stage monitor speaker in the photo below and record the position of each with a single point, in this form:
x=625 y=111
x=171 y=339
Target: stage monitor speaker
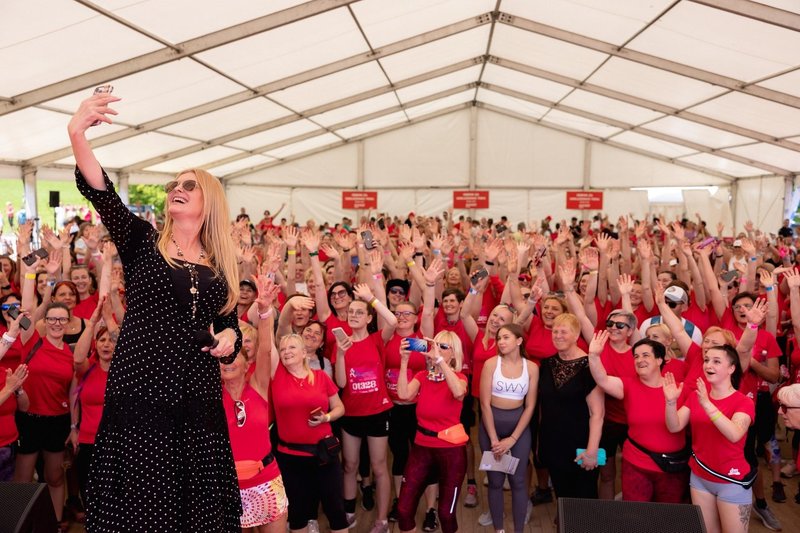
x=608 y=516
x=55 y=198
x=26 y=508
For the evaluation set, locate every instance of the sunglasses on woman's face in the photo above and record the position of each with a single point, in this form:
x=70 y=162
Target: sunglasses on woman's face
x=397 y=290
x=444 y=346
x=186 y=185
x=6 y=307
x=783 y=408
x=619 y=325
x=241 y=414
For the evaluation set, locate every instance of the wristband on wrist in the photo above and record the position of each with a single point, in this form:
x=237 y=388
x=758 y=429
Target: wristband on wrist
x=8 y=338
x=19 y=392
x=430 y=284
x=716 y=415
x=291 y=252
x=313 y=254
x=753 y=259
x=73 y=426
x=410 y=264
x=377 y=276
x=418 y=254
x=768 y=289
x=327 y=417
x=345 y=249
x=436 y=251
x=30 y=275
x=373 y=302
x=472 y=290
x=490 y=263
x=6 y=287
x=752 y=326
x=266 y=314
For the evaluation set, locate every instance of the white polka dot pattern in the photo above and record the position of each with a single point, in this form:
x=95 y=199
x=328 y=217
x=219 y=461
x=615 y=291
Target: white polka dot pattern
x=162 y=460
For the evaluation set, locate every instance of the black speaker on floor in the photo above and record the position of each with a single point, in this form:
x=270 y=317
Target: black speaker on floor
x=26 y=508
x=576 y=515
x=55 y=198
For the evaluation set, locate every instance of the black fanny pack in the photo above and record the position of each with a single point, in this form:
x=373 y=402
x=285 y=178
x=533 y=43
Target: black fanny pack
x=326 y=450
x=671 y=462
x=745 y=482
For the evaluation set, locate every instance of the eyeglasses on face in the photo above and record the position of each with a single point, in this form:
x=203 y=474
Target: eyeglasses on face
x=783 y=408
x=619 y=325
x=743 y=306
x=6 y=307
x=401 y=314
x=52 y=320
x=241 y=414
x=186 y=185
x=339 y=294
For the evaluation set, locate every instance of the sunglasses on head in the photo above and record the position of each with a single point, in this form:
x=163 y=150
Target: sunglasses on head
x=186 y=185
x=613 y=324
x=6 y=307
x=783 y=408
x=241 y=414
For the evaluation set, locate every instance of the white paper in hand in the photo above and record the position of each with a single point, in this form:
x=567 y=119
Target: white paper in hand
x=507 y=463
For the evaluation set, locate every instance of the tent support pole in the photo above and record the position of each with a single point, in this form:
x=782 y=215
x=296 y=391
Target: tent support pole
x=29 y=184
x=473 y=153
x=587 y=170
x=359 y=174
x=122 y=187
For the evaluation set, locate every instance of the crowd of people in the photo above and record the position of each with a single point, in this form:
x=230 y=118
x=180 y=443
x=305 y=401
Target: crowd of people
x=223 y=376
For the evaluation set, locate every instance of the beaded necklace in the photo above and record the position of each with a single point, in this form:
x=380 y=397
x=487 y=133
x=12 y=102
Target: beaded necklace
x=194 y=277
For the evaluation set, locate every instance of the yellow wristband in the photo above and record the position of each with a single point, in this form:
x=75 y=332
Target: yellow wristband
x=30 y=275
x=373 y=302
x=716 y=415
x=291 y=252
x=410 y=264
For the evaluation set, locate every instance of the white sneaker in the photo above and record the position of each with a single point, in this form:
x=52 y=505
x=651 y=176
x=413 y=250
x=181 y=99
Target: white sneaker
x=313 y=526
x=351 y=520
x=381 y=526
x=485 y=519
x=789 y=470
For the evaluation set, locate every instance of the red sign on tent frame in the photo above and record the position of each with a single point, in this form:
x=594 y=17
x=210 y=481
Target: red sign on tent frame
x=592 y=200
x=359 y=199
x=470 y=199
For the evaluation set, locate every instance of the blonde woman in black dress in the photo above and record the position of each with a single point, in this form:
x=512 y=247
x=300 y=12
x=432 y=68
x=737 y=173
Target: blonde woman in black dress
x=162 y=458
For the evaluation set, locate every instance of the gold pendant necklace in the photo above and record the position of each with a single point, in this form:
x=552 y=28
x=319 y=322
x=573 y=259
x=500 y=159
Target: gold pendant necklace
x=194 y=276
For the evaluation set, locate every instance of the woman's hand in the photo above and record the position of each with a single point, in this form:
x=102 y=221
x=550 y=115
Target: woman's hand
x=362 y=291
x=434 y=271
x=345 y=344
x=13 y=326
x=267 y=292
x=53 y=266
x=757 y=313
x=95 y=318
x=405 y=353
x=317 y=419
x=702 y=394
x=671 y=391
x=227 y=342
x=311 y=241
x=15 y=379
x=598 y=342
x=588 y=461
x=625 y=283
x=290 y=237
x=94 y=108
x=72 y=440
x=502 y=447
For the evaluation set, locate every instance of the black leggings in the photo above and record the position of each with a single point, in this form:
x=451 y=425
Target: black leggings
x=402 y=429
x=307 y=484
x=82 y=460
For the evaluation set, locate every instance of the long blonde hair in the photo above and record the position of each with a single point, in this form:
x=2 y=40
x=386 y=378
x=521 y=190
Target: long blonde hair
x=214 y=235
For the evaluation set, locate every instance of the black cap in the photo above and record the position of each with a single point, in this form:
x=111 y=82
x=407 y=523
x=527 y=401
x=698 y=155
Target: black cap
x=250 y=283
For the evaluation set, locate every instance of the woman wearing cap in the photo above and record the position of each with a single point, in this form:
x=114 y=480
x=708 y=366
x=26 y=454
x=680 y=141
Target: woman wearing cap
x=643 y=398
x=439 y=391
x=720 y=417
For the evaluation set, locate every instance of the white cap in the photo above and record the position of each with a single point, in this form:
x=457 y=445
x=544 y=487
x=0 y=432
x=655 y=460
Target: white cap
x=737 y=242
x=676 y=294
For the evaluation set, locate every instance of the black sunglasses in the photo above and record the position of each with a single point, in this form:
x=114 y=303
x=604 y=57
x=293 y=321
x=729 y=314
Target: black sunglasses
x=444 y=346
x=6 y=307
x=672 y=305
x=618 y=325
x=187 y=185
x=241 y=414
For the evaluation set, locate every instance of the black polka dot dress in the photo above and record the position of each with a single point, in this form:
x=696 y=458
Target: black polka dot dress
x=162 y=460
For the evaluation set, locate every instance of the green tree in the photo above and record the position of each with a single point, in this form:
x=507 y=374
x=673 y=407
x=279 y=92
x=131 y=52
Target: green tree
x=148 y=195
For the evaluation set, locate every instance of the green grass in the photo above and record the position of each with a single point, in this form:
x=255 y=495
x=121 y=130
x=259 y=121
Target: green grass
x=12 y=191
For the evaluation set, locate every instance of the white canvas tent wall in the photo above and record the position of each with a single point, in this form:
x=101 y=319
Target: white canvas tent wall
x=286 y=100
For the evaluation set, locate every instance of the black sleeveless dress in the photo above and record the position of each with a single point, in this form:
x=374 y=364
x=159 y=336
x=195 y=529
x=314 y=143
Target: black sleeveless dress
x=162 y=459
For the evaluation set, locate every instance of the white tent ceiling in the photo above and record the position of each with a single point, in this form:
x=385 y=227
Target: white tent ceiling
x=240 y=86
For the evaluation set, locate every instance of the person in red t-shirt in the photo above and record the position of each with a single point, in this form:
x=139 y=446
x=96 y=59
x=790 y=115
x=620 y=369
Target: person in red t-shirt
x=12 y=398
x=89 y=395
x=439 y=390
x=642 y=479
x=46 y=426
x=87 y=291
x=719 y=418
x=66 y=293
x=245 y=401
x=359 y=372
x=305 y=401
x=12 y=356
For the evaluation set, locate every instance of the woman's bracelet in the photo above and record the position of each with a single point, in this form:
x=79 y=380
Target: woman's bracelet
x=513 y=437
x=716 y=415
x=9 y=339
x=30 y=275
x=410 y=264
x=291 y=252
x=373 y=302
x=327 y=417
x=266 y=314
